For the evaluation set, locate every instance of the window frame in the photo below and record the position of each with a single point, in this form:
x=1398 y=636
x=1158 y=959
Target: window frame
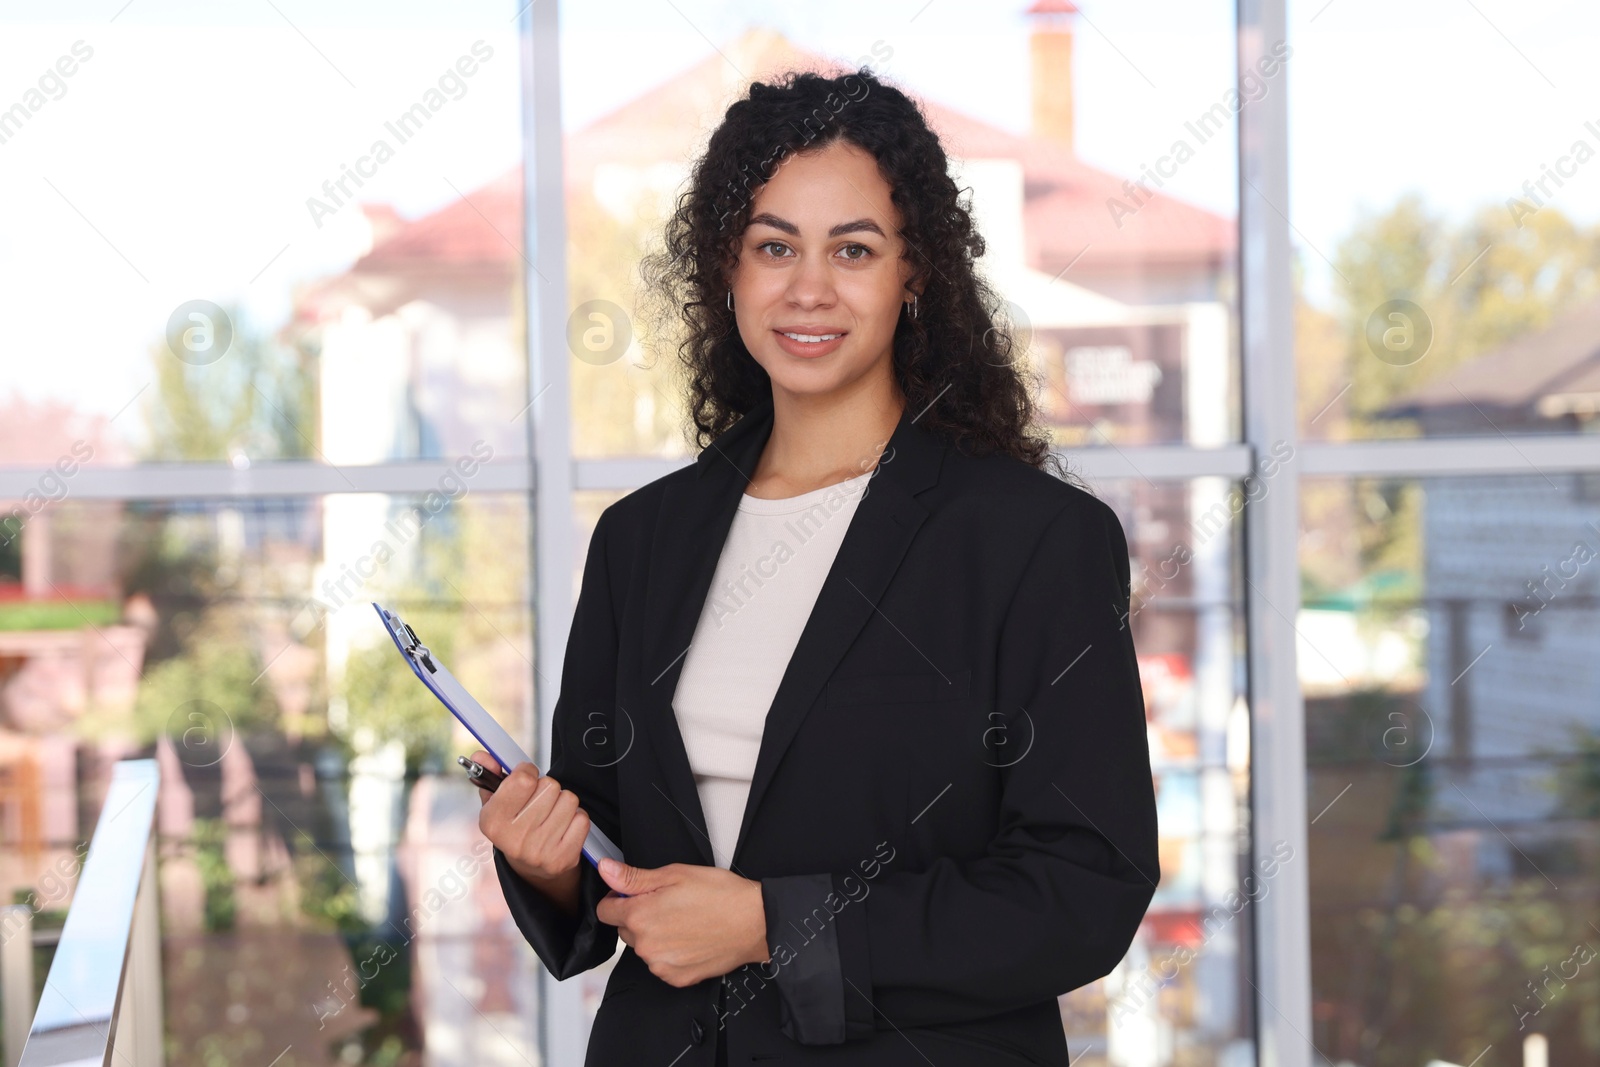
x=551 y=475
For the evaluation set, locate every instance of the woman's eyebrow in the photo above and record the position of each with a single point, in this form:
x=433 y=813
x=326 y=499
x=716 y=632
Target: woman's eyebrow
x=857 y=226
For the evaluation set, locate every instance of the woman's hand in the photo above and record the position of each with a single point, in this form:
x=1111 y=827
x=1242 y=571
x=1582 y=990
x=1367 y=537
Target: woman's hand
x=536 y=823
x=688 y=922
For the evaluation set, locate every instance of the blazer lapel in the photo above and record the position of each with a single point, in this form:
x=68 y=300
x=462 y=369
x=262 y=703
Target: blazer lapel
x=696 y=515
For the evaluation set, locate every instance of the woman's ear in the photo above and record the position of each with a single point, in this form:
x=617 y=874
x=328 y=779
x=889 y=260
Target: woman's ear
x=723 y=275
x=915 y=283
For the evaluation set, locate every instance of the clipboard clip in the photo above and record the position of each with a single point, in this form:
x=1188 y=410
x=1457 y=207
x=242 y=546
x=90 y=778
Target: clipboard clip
x=410 y=644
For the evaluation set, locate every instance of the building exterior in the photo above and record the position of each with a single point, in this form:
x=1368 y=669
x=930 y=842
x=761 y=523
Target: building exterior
x=1511 y=578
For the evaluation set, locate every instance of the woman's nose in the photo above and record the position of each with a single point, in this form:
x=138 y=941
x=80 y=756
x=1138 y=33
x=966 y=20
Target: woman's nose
x=811 y=284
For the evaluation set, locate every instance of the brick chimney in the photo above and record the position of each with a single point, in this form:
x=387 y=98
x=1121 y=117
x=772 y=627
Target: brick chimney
x=1050 y=48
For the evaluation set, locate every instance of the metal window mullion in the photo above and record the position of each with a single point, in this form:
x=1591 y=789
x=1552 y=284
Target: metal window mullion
x=562 y=1030
x=1172 y=463
x=1423 y=457
x=1532 y=455
x=1282 y=949
x=49 y=486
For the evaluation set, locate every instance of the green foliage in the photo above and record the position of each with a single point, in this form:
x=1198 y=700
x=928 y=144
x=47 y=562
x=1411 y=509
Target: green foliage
x=326 y=892
x=383 y=1044
x=1389 y=528
x=1578 y=778
x=1413 y=803
x=258 y=400
x=10 y=548
x=387 y=700
x=167 y=552
x=170 y=555
x=1481 y=284
x=210 y=838
x=382 y=965
x=204 y=697
x=1460 y=972
x=58 y=614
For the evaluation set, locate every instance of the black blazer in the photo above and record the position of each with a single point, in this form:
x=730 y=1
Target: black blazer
x=951 y=815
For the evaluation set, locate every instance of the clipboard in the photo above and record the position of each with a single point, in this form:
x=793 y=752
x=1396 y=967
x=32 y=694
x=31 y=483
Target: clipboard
x=489 y=733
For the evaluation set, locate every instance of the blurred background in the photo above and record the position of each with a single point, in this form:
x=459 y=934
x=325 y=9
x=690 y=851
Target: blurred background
x=314 y=305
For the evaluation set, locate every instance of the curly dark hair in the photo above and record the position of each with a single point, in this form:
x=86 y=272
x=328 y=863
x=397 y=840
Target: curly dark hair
x=959 y=358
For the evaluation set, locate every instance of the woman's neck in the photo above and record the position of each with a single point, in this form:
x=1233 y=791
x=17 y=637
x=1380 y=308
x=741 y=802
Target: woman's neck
x=818 y=442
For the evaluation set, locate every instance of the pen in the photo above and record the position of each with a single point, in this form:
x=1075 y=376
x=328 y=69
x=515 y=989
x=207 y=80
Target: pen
x=484 y=778
x=481 y=775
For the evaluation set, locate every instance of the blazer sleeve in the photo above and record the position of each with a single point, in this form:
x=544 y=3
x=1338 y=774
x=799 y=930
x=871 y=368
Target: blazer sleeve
x=1055 y=901
x=582 y=759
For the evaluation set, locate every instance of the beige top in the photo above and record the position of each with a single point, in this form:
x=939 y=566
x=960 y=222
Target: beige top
x=769 y=573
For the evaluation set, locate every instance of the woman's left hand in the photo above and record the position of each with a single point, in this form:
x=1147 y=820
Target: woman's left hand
x=688 y=922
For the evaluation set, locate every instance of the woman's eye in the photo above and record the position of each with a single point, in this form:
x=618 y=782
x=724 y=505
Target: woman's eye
x=862 y=250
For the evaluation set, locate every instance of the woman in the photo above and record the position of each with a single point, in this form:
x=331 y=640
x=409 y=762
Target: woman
x=854 y=692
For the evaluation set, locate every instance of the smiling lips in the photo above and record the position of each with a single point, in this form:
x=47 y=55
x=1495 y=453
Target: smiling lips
x=809 y=341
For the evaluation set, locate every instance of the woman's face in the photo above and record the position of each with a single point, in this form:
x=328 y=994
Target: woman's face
x=821 y=257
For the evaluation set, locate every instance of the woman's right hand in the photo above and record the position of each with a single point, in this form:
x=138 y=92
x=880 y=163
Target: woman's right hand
x=533 y=821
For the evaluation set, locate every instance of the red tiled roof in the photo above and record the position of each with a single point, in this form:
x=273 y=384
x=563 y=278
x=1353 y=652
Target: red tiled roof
x=1065 y=204
x=1065 y=199
x=1164 y=232
x=483 y=228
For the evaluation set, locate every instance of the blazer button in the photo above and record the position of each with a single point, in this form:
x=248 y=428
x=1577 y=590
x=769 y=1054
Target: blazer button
x=697 y=1032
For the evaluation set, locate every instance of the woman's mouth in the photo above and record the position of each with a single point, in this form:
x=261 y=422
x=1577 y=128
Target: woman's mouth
x=807 y=344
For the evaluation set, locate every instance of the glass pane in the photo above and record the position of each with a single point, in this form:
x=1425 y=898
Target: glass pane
x=324 y=882
x=1446 y=281
x=1101 y=163
x=1180 y=994
x=299 y=233
x=1447 y=655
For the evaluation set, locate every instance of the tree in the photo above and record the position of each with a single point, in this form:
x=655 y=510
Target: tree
x=256 y=401
x=603 y=253
x=1480 y=284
